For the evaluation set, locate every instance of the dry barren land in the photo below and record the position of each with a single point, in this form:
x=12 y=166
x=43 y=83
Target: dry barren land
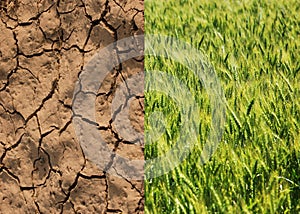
x=44 y=46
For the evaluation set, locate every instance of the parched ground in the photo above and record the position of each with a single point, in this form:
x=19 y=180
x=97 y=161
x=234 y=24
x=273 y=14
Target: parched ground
x=44 y=46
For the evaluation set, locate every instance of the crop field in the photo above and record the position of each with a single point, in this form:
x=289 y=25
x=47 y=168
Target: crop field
x=254 y=47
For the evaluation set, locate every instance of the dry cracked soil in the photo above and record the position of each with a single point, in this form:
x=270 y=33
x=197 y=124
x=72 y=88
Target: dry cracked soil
x=44 y=46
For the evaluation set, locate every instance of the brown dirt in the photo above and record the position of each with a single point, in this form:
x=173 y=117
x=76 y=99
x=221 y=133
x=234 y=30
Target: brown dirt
x=43 y=47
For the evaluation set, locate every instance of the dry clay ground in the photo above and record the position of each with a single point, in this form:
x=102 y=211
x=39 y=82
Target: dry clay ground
x=44 y=46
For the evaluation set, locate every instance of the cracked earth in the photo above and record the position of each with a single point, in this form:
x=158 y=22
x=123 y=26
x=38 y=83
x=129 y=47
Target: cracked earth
x=44 y=47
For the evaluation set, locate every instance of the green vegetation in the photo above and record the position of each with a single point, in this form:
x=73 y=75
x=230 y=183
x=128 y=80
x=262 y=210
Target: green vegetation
x=254 y=47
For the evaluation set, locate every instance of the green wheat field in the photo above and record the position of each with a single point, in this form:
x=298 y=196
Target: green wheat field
x=254 y=47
